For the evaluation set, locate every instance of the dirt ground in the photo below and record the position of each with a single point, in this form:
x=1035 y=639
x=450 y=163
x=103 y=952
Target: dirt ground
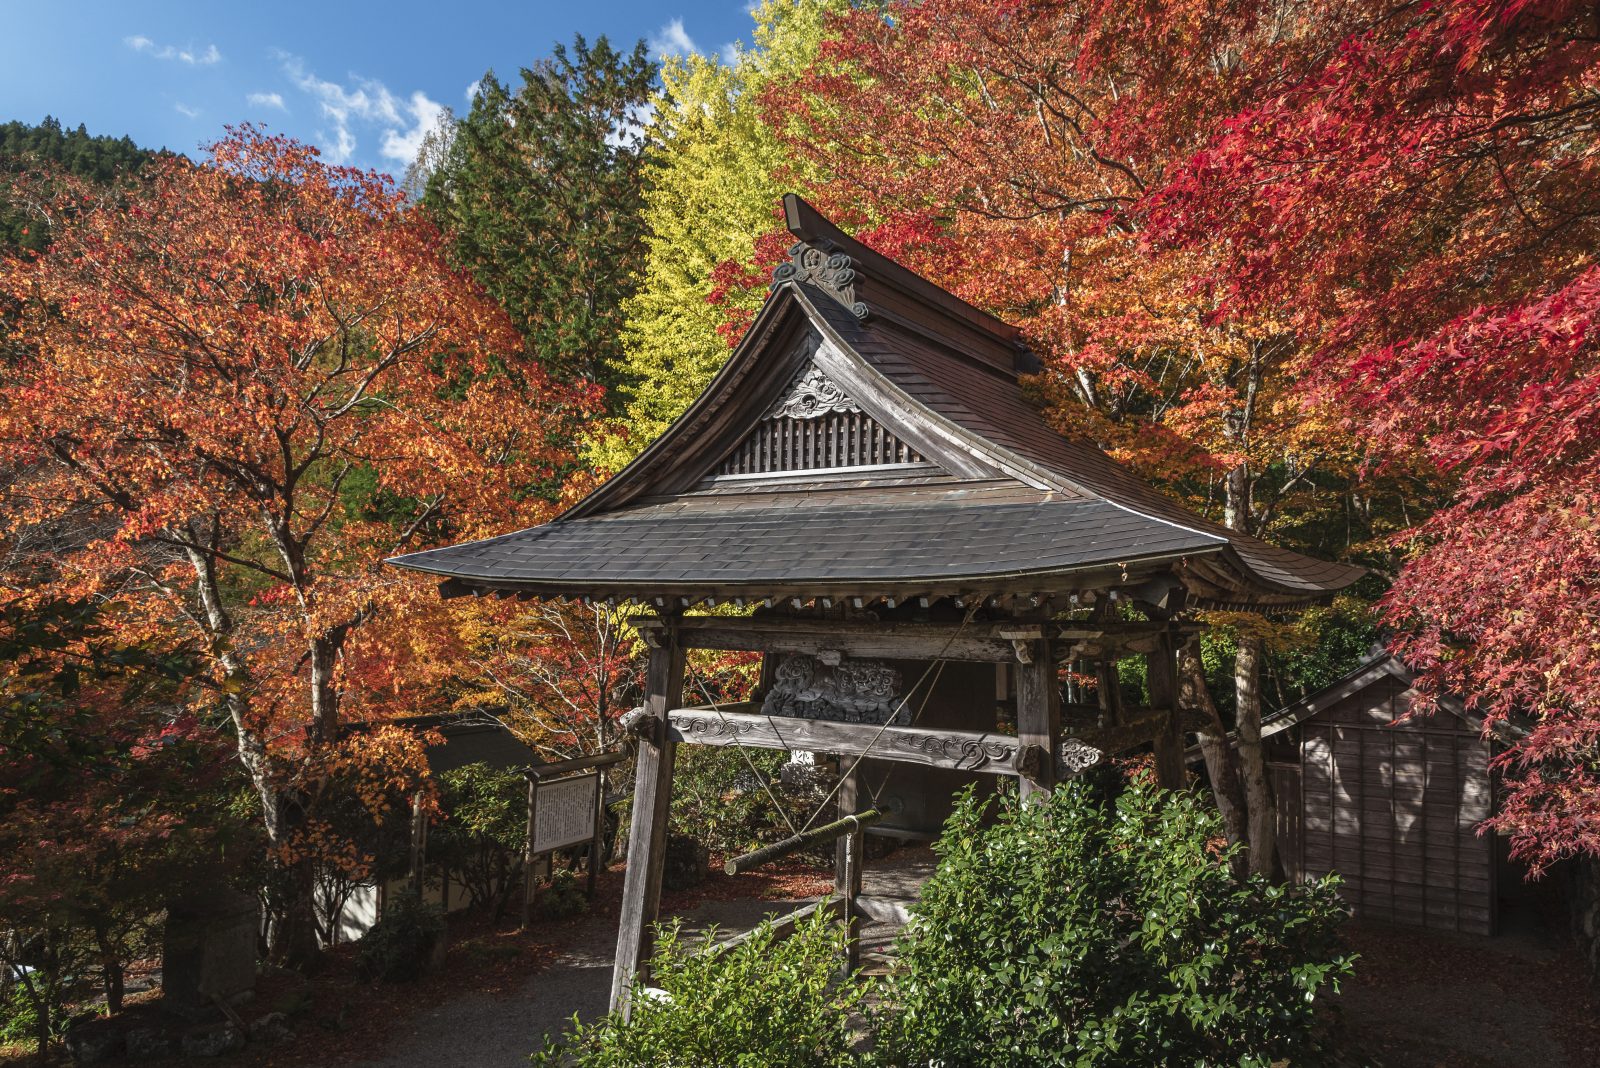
x=1424 y=999
x=1419 y=999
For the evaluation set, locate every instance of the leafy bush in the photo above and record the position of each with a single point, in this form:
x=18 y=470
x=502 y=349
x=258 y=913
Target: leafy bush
x=479 y=842
x=564 y=897
x=717 y=801
x=405 y=942
x=1090 y=931
x=764 y=1003
x=19 y=1020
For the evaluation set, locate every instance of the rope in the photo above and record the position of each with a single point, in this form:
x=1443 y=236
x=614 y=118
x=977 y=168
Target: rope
x=937 y=665
x=935 y=668
x=766 y=785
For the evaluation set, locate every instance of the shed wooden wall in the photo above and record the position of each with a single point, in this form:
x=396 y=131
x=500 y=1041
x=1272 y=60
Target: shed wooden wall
x=1392 y=809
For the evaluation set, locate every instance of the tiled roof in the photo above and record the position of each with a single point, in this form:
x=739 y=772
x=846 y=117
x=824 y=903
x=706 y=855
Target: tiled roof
x=659 y=548
x=992 y=406
x=1003 y=494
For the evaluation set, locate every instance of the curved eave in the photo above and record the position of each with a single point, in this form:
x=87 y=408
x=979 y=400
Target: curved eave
x=1046 y=581
x=1249 y=587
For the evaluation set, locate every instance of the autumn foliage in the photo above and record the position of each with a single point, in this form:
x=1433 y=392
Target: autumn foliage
x=234 y=391
x=1416 y=186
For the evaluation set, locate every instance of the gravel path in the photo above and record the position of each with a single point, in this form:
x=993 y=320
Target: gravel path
x=478 y=1031
x=475 y=1031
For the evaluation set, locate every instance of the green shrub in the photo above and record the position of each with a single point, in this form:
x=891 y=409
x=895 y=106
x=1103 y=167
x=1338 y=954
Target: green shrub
x=405 y=942
x=762 y=1004
x=718 y=801
x=19 y=1020
x=1088 y=931
x=565 y=896
x=479 y=842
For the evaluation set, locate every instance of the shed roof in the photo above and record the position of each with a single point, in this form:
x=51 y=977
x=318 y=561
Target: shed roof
x=1379 y=665
x=870 y=435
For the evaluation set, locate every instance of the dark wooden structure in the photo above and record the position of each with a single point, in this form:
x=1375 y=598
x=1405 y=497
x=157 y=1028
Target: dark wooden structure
x=1392 y=803
x=912 y=548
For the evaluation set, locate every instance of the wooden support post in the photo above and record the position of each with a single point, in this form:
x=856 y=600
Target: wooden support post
x=847 y=858
x=597 y=844
x=530 y=881
x=1039 y=713
x=1162 y=668
x=1108 y=687
x=647 y=836
x=419 y=843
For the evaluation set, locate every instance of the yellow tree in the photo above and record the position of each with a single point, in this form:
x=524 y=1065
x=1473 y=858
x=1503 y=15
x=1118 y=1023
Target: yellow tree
x=714 y=180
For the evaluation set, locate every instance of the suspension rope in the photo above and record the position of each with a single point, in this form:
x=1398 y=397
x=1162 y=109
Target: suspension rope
x=766 y=785
x=936 y=669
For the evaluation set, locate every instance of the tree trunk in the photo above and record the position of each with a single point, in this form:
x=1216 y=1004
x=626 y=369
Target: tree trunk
x=296 y=942
x=111 y=971
x=1252 y=760
x=1221 y=764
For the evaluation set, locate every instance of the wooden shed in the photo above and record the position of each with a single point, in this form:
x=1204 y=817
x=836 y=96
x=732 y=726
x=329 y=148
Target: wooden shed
x=869 y=500
x=1391 y=802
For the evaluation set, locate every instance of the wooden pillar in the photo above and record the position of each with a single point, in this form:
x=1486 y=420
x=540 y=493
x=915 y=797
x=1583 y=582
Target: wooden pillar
x=847 y=858
x=1038 y=711
x=530 y=881
x=647 y=835
x=597 y=844
x=1162 y=668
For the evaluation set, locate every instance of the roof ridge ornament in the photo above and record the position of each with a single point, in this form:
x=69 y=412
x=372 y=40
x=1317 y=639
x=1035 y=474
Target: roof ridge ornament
x=817 y=263
x=811 y=394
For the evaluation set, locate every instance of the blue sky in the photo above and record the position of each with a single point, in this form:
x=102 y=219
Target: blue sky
x=362 y=80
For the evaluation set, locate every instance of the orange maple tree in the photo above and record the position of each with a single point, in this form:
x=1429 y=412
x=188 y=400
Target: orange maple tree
x=234 y=390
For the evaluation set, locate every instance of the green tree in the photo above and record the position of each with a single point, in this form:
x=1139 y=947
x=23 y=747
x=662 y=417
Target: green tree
x=714 y=177
x=540 y=191
x=25 y=149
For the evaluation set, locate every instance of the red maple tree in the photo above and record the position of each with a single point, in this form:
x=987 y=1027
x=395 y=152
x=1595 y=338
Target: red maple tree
x=1420 y=184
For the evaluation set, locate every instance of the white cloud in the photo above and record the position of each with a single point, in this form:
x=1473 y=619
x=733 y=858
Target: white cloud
x=672 y=40
x=267 y=100
x=474 y=89
x=426 y=115
x=401 y=124
x=729 y=54
x=140 y=43
x=186 y=111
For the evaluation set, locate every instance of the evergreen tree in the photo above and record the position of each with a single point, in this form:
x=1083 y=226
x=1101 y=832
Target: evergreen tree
x=540 y=191
x=714 y=180
x=25 y=149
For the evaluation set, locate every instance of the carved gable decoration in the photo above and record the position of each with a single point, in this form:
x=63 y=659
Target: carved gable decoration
x=818 y=264
x=810 y=395
x=852 y=691
x=816 y=426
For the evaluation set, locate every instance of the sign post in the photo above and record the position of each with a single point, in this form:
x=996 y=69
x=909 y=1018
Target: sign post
x=564 y=809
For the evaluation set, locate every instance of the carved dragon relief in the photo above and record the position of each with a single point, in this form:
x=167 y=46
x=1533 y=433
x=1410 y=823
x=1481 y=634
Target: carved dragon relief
x=853 y=691
x=811 y=395
x=832 y=272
